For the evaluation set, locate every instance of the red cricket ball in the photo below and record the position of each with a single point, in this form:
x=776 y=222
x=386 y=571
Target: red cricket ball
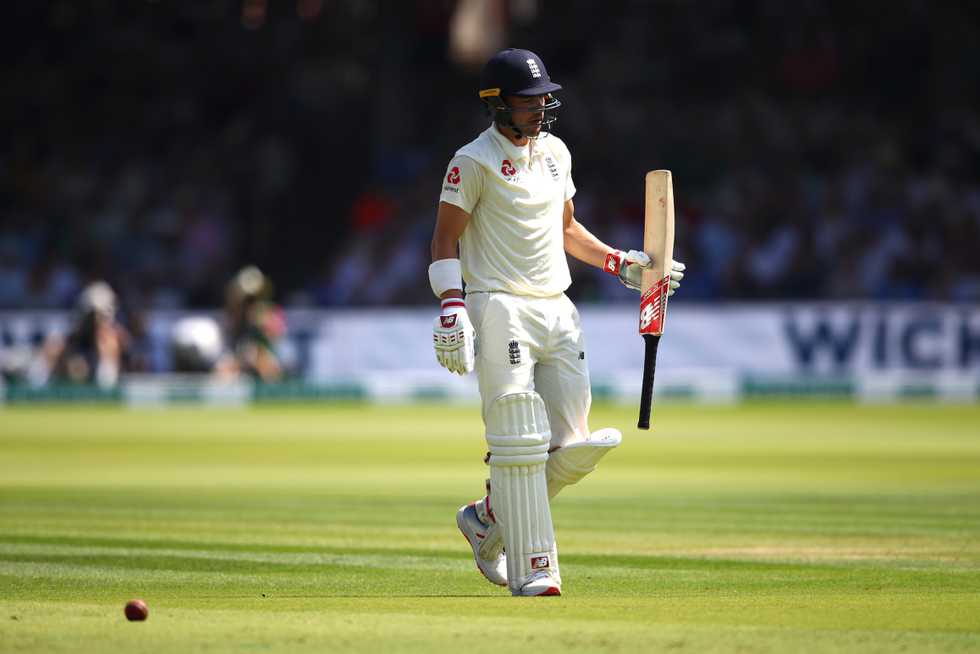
x=136 y=610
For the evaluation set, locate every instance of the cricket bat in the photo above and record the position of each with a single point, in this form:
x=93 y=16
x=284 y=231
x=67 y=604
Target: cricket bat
x=658 y=243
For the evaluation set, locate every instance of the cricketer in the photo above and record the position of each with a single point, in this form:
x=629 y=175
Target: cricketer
x=505 y=222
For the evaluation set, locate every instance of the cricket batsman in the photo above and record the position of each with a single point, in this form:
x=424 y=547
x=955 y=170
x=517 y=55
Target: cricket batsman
x=506 y=203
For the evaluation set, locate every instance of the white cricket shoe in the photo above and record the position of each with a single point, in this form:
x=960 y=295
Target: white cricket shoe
x=540 y=584
x=490 y=561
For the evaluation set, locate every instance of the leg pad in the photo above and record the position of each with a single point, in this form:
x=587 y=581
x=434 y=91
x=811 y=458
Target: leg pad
x=518 y=436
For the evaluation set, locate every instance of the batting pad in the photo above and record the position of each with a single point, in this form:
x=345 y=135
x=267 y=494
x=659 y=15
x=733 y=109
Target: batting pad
x=569 y=464
x=518 y=436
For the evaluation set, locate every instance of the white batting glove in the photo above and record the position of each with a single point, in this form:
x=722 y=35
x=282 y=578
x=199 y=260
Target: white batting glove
x=676 y=275
x=629 y=268
x=453 y=337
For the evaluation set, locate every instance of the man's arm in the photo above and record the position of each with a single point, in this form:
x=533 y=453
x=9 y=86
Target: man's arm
x=580 y=242
x=452 y=331
x=451 y=221
x=628 y=266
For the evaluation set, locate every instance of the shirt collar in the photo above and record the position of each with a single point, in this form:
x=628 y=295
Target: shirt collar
x=513 y=152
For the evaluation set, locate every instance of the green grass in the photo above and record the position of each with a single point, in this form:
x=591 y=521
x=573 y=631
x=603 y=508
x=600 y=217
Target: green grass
x=762 y=528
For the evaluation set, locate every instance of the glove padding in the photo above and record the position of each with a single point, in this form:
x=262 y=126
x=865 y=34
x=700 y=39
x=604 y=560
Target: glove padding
x=629 y=267
x=453 y=338
x=676 y=275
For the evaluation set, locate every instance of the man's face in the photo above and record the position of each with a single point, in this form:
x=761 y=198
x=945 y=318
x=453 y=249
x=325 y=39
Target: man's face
x=527 y=112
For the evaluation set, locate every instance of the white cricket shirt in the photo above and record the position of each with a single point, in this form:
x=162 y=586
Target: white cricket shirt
x=515 y=196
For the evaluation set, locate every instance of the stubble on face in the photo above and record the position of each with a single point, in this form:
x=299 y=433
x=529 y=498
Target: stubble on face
x=524 y=116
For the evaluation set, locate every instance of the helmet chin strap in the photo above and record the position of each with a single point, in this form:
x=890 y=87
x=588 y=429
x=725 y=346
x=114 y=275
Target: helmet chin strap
x=505 y=118
x=518 y=132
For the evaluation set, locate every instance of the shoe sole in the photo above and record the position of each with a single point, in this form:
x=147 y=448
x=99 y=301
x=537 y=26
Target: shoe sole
x=551 y=591
x=475 y=548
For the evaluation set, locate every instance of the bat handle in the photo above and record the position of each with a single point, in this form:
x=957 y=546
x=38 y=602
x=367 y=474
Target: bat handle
x=649 y=368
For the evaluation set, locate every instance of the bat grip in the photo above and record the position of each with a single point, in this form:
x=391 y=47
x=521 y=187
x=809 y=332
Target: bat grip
x=651 y=341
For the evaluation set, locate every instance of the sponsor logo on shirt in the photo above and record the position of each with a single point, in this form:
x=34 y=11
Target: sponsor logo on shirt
x=514 y=351
x=453 y=178
x=507 y=169
x=552 y=167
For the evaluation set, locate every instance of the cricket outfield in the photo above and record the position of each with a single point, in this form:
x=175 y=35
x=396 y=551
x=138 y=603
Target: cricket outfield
x=760 y=528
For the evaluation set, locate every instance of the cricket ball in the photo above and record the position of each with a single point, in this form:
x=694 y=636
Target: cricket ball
x=136 y=610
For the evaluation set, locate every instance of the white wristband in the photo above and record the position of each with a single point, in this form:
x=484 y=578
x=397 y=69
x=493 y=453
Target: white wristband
x=445 y=275
x=453 y=303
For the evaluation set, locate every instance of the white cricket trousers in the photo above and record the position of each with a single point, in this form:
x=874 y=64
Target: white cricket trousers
x=534 y=344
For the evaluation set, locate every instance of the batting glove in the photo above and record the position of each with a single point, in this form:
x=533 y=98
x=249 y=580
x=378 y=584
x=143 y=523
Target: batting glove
x=676 y=275
x=629 y=268
x=453 y=337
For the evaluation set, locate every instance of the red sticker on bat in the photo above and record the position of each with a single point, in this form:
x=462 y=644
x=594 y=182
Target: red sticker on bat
x=653 y=307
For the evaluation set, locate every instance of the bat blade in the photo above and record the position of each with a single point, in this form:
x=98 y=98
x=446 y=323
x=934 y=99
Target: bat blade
x=658 y=243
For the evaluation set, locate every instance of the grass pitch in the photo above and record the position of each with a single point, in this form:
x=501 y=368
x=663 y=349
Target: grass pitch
x=762 y=528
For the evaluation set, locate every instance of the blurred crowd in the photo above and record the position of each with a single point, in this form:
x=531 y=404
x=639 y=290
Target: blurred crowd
x=105 y=339
x=820 y=150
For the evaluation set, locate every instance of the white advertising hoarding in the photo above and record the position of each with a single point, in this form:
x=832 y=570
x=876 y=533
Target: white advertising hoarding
x=790 y=338
x=708 y=350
